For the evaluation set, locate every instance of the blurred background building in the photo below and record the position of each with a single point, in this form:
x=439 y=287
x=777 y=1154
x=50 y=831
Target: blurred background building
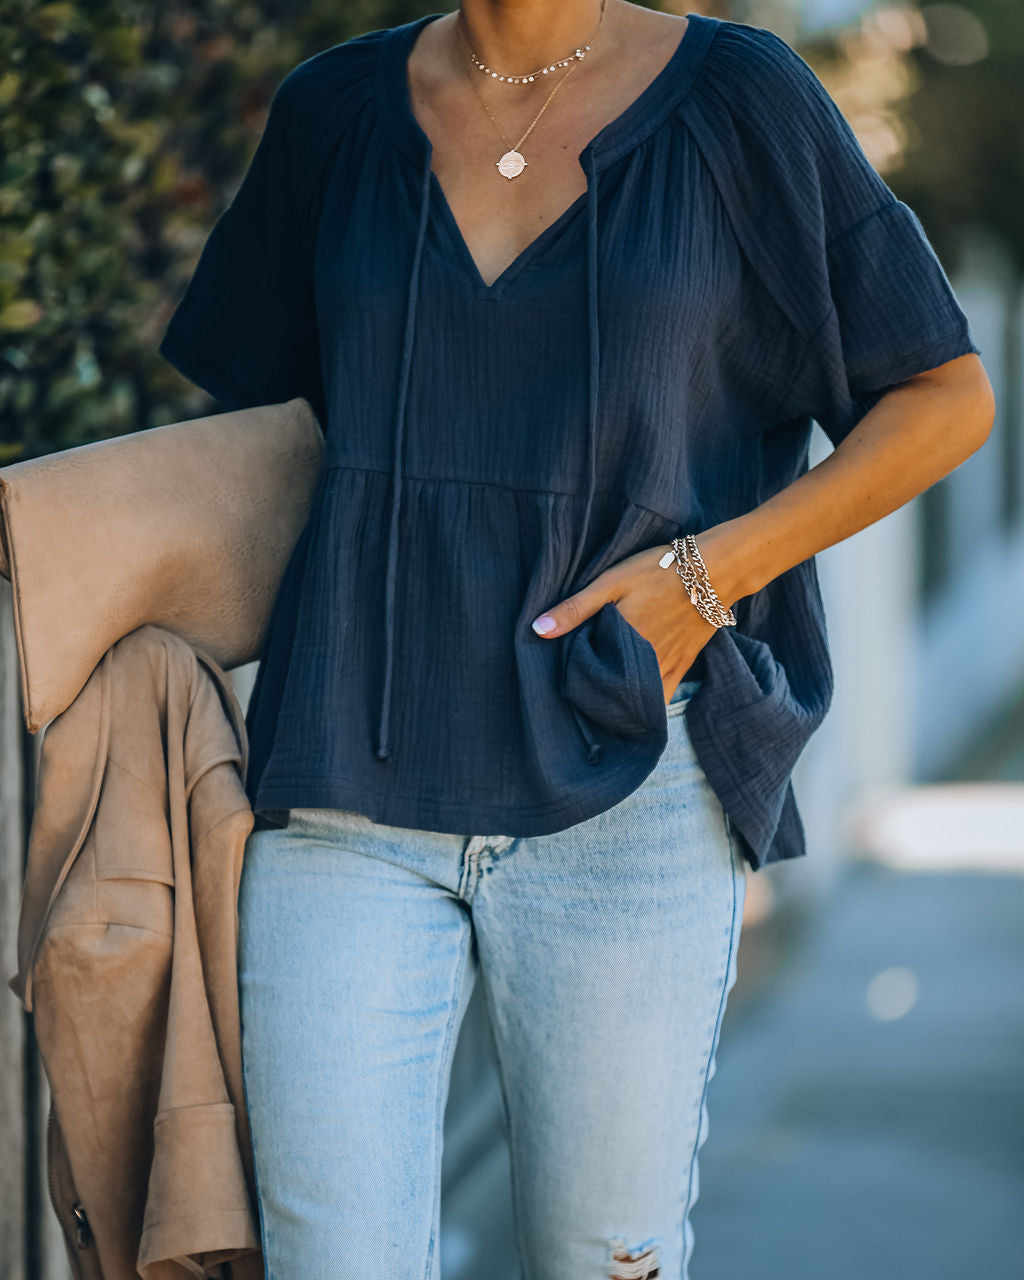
x=878 y=1010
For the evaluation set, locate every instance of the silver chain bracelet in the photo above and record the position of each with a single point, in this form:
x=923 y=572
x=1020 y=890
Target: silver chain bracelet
x=690 y=566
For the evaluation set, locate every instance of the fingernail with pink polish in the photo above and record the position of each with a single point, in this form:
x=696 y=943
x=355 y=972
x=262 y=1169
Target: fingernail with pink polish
x=544 y=624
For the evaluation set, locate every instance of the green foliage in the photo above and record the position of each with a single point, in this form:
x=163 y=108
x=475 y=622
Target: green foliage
x=124 y=129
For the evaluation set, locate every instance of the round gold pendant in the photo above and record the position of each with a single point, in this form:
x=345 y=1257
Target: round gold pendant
x=511 y=164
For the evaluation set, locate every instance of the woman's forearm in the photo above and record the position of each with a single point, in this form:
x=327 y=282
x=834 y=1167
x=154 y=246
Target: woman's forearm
x=917 y=433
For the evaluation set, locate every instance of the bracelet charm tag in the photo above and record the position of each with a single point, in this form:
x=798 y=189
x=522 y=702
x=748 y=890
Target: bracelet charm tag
x=694 y=575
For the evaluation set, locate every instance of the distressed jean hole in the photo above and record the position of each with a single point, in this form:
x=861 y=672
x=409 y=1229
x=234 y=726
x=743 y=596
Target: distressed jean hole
x=627 y=1265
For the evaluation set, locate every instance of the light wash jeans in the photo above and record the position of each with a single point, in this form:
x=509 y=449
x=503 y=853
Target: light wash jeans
x=605 y=954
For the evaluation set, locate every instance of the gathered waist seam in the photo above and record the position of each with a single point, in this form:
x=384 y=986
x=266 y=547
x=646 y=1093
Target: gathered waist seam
x=504 y=488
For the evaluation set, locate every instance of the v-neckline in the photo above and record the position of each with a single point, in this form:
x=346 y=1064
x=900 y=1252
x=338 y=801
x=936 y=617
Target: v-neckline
x=620 y=135
x=519 y=262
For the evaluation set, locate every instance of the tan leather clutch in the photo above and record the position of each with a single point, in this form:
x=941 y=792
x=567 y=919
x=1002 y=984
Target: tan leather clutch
x=188 y=526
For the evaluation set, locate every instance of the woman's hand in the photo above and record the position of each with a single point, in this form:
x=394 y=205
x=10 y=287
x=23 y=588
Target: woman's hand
x=655 y=602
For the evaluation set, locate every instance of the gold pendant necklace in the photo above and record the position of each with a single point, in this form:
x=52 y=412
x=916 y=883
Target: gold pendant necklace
x=513 y=162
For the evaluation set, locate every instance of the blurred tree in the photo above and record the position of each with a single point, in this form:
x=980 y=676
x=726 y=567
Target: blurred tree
x=933 y=92
x=964 y=162
x=124 y=129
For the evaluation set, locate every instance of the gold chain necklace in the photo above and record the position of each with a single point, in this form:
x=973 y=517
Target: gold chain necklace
x=513 y=162
x=530 y=76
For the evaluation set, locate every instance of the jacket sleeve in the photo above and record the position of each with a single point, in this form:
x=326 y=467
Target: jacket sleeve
x=848 y=264
x=246 y=329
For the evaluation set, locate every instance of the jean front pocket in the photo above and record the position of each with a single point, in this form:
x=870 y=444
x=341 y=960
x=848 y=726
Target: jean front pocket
x=611 y=674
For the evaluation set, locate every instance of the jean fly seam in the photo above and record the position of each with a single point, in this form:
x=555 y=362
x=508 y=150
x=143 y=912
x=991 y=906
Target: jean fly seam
x=714 y=1040
x=466 y=873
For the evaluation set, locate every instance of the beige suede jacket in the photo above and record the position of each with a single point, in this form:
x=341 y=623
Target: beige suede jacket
x=126 y=956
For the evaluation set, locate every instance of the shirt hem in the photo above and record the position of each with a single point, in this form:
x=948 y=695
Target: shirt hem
x=296 y=792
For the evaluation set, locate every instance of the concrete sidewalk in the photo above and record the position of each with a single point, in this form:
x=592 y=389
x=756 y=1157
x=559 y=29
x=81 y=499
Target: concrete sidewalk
x=867 y=1114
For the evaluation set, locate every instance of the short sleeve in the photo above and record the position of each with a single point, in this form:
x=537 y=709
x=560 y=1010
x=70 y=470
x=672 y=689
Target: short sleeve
x=848 y=264
x=891 y=310
x=894 y=314
x=245 y=329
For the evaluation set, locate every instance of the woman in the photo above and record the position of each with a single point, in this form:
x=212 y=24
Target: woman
x=564 y=284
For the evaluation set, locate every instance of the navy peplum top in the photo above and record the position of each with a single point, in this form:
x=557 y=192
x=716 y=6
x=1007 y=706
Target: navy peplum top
x=652 y=364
